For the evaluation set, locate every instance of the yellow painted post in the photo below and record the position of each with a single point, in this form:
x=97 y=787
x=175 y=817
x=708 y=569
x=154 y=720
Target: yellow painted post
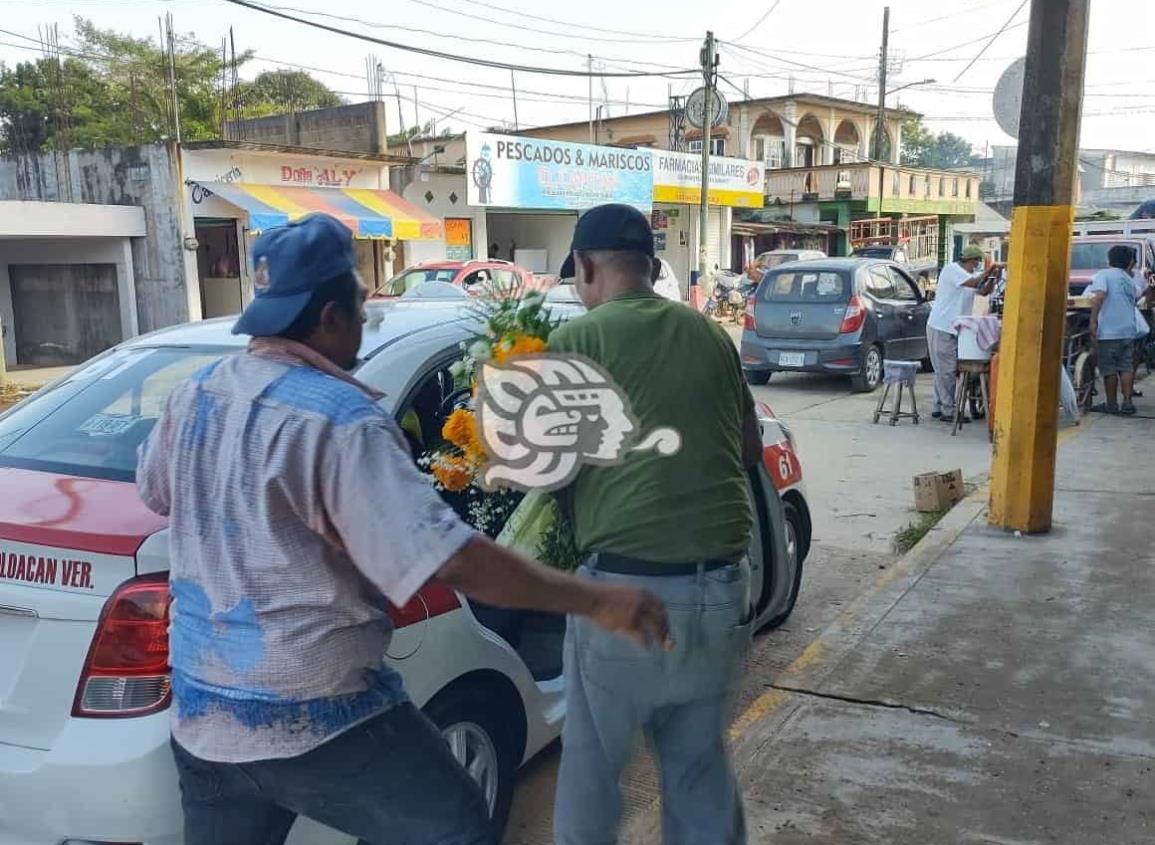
x=1027 y=408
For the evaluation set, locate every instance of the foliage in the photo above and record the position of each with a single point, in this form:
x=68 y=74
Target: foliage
x=909 y=537
x=426 y=130
x=516 y=324
x=277 y=91
x=922 y=148
x=113 y=89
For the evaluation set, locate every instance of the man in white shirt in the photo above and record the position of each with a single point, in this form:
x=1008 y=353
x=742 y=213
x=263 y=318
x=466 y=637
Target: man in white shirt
x=954 y=296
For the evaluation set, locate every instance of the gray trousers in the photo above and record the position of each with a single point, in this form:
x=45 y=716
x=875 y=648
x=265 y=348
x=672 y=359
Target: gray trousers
x=680 y=699
x=944 y=355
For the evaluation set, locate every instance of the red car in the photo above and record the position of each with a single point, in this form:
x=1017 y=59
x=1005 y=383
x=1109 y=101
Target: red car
x=472 y=276
x=1089 y=256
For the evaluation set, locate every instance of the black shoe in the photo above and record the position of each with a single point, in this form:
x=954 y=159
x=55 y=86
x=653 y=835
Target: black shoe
x=1127 y=409
x=1104 y=408
x=937 y=415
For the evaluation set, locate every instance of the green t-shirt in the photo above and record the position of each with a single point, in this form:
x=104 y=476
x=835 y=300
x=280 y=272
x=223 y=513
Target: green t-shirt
x=680 y=370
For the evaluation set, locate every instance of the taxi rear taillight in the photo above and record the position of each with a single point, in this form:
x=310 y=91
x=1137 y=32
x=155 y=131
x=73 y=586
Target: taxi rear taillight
x=748 y=322
x=127 y=670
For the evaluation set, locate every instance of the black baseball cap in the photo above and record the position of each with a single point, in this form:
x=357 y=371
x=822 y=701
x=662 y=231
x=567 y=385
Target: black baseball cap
x=613 y=226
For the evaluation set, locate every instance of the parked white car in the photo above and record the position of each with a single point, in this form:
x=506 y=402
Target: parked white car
x=770 y=260
x=667 y=284
x=84 y=679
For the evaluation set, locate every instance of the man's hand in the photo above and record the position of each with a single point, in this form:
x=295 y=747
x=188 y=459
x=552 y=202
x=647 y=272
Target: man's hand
x=632 y=613
x=490 y=573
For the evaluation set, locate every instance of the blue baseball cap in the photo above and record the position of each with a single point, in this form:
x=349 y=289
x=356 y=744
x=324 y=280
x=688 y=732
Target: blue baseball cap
x=612 y=227
x=289 y=263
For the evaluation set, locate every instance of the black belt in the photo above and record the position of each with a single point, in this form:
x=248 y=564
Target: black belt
x=622 y=565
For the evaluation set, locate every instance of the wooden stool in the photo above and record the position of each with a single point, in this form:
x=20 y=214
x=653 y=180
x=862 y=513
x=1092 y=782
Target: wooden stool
x=964 y=390
x=902 y=374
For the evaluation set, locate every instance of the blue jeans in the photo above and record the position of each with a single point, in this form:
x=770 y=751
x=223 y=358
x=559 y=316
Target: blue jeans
x=389 y=781
x=681 y=699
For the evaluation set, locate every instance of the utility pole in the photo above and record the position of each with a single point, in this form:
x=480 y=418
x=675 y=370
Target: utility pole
x=880 y=120
x=172 y=76
x=513 y=88
x=1027 y=409
x=590 y=71
x=709 y=59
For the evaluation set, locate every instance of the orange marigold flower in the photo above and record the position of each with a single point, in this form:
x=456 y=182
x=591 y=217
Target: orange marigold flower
x=452 y=473
x=460 y=428
x=523 y=344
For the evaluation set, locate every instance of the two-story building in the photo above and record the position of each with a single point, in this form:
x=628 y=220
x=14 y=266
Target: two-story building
x=822 y=172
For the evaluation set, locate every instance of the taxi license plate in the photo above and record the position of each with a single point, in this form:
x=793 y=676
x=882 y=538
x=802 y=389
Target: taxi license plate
x=791 y=359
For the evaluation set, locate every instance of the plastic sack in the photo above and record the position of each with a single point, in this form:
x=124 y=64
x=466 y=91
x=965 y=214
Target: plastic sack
x=1141 y=327
x=1067 y=398
x=528 y=524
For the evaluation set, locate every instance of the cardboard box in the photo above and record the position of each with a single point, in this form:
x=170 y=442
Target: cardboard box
x=936 y=491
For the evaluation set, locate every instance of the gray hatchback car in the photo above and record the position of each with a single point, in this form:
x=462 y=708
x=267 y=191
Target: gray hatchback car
x=835 y=315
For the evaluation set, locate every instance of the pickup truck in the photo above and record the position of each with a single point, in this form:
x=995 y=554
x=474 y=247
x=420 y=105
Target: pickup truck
x=910 y=241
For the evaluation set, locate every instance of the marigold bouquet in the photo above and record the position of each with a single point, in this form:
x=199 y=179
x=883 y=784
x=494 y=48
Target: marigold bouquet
x=515 y=325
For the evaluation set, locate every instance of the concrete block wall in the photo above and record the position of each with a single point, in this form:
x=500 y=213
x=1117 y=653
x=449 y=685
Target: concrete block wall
x=145 y=176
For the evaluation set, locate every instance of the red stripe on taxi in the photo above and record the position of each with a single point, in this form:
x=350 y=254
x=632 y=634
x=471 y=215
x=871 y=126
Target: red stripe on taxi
x=84 y=514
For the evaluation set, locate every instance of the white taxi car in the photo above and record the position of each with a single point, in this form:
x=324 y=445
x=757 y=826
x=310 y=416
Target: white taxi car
x=84 y=679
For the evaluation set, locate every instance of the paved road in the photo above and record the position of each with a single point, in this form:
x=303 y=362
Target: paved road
x=858 y=479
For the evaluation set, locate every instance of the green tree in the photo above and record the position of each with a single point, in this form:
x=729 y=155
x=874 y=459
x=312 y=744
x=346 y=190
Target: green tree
x=922 y=148
x=114 y=89
x=277 y=91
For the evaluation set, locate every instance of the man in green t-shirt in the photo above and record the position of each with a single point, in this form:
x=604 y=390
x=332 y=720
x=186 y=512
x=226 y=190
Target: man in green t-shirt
x=679 y=525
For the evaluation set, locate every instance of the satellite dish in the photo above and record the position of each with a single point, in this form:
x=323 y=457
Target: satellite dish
x=1008 y=99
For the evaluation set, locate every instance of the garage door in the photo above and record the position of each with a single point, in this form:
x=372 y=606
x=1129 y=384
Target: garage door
x=63 y=313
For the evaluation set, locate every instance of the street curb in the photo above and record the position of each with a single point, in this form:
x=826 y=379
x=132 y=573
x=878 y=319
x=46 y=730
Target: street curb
x=826 y=651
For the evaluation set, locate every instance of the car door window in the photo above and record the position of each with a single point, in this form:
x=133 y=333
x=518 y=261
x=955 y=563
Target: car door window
x=879 y=283
x=904 y=288
x=476 y=278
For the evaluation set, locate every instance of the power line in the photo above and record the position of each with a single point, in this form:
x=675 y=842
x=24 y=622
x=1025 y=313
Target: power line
x=758 y=22
x=948 y=17
x=633 y=39
x=792 y=62
x=524 y=14
x=951 y=49
x=425 y=51
x=994 y=37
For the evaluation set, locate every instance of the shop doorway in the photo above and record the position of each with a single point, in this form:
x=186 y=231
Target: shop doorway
x=538 y=242
x=63 y=313
x=219 y=267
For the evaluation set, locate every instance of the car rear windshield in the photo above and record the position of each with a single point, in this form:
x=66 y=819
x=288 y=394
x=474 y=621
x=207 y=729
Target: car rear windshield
x=1092 y=255
x=92 y=423
x=807 y=286
x=412 y=279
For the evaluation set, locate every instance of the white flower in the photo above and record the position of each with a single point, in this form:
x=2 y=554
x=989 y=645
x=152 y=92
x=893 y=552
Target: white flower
x=479 y=350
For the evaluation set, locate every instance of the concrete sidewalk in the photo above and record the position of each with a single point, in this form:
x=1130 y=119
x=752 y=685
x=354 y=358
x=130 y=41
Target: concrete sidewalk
x=990 y=688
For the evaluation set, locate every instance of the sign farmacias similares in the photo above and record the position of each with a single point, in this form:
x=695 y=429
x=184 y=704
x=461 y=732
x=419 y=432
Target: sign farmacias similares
x=733 y=181
x=508 y=171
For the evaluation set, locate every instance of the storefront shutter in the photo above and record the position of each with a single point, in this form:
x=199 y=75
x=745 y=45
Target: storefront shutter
x=714 y=238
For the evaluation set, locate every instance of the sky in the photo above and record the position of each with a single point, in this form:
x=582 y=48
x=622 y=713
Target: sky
x=767 y=46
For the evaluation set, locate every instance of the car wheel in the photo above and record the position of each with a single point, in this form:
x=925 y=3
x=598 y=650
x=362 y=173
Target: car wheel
x=870 y=377
x=483 y=743
x=757 y=377
x=796 y=548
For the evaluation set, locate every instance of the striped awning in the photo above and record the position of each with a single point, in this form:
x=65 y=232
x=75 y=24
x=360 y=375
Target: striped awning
x=368 y=213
